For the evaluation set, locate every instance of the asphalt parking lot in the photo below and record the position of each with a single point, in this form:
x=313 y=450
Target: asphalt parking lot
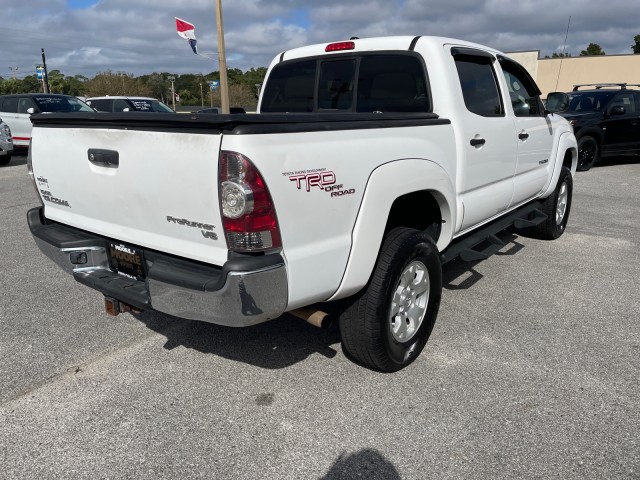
x=532 y=370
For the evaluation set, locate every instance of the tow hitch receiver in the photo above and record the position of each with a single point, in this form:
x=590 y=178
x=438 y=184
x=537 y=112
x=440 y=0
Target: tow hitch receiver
x=114 y=307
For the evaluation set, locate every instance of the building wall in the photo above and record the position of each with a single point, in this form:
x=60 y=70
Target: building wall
x=561 y=74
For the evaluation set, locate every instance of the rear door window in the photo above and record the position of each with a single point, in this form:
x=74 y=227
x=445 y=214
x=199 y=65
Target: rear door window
x=479 y=85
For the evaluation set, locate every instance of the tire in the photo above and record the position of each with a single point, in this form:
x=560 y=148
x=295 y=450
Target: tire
x=557 y=208
x=407 y=281
x=588 y=153
x=4 y=160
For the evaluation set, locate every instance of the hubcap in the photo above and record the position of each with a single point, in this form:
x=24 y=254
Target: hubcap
x=409 y=302
x=561 y=206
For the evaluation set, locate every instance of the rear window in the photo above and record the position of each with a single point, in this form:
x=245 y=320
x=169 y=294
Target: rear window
x=61 y=104
x=368 y=83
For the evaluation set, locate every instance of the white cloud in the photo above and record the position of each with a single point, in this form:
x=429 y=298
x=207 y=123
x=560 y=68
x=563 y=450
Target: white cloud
x=139 y=37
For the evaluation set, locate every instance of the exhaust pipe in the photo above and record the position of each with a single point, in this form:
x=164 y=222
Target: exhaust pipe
x=315 y=317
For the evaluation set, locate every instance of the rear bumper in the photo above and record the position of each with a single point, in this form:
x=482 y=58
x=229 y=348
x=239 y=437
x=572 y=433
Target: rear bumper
x=244 y=291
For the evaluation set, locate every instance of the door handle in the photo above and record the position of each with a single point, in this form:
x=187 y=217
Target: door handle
x=104 y=158
x=477 y=142
x=523 y=136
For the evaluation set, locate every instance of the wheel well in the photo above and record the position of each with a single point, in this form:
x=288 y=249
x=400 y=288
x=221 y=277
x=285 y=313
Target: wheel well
x=569 y=157
x=419 y=210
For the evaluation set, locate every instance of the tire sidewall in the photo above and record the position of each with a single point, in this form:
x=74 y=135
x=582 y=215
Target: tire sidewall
x=596 y=152
x=421 y=248
x=565 y=178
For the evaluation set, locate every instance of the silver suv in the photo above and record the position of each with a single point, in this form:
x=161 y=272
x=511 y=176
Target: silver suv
x=6 y=143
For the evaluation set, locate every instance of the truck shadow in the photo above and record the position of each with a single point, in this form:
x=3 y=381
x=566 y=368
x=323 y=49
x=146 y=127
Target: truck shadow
x=275 y=344
x=461 y=275
x=366 y=463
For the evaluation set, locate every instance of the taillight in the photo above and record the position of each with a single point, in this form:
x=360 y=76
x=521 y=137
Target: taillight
x=338 y=46
x=248 y=214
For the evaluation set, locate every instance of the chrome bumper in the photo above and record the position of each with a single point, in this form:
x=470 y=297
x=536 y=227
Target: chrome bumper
x=244 y=297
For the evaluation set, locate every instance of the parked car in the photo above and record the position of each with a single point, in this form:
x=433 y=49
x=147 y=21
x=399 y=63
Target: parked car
x=232 y=110
x=16 y=111
x=128 y=104
x=605 y=119
x=6 y=143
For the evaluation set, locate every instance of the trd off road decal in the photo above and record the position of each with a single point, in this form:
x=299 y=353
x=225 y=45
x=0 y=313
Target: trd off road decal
x=321 y=178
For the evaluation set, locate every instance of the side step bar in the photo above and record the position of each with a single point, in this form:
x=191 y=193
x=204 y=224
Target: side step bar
x=525 y=217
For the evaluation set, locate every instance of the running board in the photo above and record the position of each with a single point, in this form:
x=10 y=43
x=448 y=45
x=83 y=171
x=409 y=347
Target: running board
x=525 y=217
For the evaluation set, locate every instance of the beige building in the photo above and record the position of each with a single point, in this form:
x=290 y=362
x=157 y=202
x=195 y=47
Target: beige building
x=561 y=74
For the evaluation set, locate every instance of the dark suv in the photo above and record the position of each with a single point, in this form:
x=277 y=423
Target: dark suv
x=605 y=119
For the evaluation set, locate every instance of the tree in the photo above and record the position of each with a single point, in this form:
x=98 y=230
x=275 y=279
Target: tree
x=558 y=55
x=636 y=46
x=592 y=49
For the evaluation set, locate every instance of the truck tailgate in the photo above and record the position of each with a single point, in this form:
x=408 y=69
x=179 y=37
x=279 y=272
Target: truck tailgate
x=161 y=194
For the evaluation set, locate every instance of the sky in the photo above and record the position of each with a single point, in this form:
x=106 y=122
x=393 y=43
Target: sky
x=86 y=37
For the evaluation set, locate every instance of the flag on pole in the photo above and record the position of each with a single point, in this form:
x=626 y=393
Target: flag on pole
x=188 y=31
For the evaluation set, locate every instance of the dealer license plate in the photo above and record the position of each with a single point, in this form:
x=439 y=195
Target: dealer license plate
x=127 y=260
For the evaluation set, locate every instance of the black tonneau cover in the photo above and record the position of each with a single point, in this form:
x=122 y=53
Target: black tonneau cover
x=237 y=124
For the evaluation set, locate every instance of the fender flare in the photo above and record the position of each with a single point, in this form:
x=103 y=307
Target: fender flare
x=385 y=184
x=566 y=142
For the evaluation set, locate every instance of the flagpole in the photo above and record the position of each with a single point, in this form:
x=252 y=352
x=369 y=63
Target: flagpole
x=224 y=86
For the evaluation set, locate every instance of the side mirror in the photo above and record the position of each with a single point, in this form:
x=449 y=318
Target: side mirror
x=557 y=102
x=617 y=110
x=31 y=110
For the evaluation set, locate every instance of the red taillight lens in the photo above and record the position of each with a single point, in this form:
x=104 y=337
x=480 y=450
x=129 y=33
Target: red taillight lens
x=335 y=47
x=248 y=214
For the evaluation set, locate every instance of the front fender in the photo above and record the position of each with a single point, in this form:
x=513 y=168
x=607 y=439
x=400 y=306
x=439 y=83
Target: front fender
x=386 y=183
x=566 y=142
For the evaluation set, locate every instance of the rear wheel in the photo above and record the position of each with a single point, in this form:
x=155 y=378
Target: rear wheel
x=588 y=153
x=557 y=208
x=389 y=322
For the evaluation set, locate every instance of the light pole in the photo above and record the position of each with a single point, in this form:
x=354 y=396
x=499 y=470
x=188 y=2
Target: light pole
x=173 y=93
x=201 y=95
x=224 y=85
x=46 y=74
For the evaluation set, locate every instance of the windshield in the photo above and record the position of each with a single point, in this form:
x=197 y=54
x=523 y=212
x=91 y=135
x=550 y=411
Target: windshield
x=584 y=102
x=61 y=104
x=143 y=105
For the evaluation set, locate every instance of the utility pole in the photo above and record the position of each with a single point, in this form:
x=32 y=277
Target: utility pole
x=224 y=84
x=46 y=74
x=173 y=93
x=201 y=95
x=14 y=71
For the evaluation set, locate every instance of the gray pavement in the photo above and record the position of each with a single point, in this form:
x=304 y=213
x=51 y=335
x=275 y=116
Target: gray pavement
x=532 y=371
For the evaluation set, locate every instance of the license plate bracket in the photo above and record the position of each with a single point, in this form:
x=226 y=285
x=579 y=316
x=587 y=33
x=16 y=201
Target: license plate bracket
x=127 y=260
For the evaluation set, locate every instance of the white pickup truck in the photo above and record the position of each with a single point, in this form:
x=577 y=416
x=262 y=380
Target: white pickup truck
x=370 y=163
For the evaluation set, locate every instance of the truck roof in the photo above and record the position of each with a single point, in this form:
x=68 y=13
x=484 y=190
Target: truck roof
x=378 y=44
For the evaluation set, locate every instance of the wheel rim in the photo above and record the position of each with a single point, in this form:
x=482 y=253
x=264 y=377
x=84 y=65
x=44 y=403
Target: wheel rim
x=561 y=206
x=409 y=302
x=587 y=153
